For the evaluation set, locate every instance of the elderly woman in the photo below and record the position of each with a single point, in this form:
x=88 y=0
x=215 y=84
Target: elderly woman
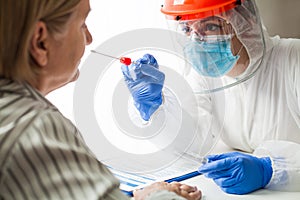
x=42 y=154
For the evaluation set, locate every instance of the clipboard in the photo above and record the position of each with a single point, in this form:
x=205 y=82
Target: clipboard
x=132 y=181
x=177 y=179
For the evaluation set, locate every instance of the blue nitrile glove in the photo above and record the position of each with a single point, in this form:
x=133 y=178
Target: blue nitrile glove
x=145 y=83
x=238 y=173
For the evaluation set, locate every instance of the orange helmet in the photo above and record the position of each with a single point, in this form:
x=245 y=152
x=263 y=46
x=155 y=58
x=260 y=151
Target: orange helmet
x=196 y=9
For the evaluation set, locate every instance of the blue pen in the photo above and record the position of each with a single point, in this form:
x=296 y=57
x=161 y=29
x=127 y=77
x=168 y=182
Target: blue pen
x=183 y=177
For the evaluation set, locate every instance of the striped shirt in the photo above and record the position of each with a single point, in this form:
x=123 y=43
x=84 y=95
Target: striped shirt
x=43 y=156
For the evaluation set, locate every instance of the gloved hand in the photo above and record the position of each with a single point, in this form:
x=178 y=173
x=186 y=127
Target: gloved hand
x=145 y=83
x=238 y=173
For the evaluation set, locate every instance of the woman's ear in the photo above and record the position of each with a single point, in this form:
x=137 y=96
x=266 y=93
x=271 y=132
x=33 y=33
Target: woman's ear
x=38 y=44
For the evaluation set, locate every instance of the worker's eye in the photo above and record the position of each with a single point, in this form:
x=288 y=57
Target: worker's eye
x=211 y=27
x=185 y=28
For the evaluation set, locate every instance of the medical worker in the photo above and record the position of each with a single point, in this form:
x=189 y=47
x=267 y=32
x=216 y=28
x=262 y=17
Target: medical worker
x=229 y=48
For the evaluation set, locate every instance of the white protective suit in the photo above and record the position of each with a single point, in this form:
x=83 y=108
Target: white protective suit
x=262 y=114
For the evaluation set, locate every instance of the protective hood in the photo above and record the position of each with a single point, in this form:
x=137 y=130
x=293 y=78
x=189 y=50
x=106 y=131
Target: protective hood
x=245 y=20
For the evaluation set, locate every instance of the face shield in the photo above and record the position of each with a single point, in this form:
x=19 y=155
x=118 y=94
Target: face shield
x=222 y=41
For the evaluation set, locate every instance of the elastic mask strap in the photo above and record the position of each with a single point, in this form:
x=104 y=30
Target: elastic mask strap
x=239 y=51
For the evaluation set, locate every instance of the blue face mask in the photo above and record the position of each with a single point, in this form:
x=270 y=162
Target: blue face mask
x=213 y=58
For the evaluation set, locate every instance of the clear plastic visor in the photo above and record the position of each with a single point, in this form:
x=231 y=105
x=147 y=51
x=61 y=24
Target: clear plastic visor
x=209 y=46
x=210 y=29
x=221 y=50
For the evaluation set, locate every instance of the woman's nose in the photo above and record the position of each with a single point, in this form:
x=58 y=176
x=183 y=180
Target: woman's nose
x=89 y=37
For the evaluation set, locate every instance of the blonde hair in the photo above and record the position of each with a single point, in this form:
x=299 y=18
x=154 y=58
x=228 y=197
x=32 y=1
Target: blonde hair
x=17 y=22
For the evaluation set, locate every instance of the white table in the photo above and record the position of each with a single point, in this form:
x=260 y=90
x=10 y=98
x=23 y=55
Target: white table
x=211 y=191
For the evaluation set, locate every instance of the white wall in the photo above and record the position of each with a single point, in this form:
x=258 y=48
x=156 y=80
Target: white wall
x=281 y=17
x=112 y=17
